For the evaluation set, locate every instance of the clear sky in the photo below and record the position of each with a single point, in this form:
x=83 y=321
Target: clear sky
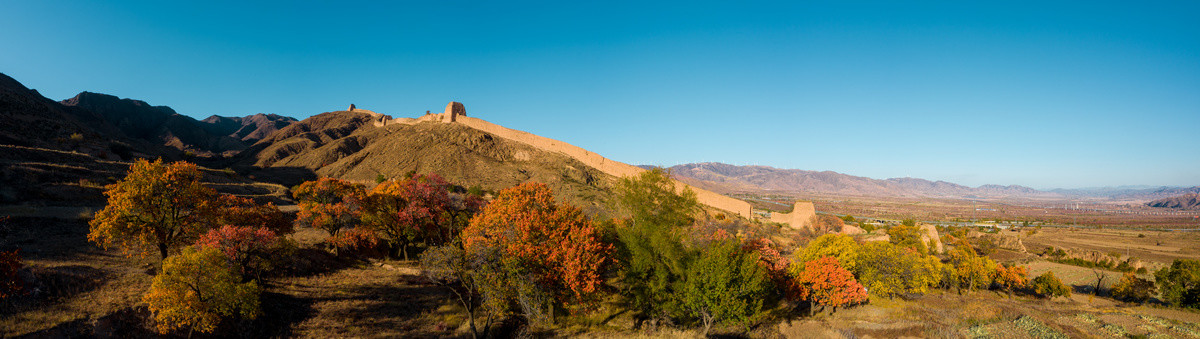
x=1042 y=94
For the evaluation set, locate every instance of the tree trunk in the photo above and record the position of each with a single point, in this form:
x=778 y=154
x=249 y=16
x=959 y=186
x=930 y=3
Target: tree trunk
x=162 y=251
x=404 y=250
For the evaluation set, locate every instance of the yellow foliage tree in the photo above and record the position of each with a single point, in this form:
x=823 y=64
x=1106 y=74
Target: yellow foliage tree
x=972 y=270
x=157 y=205
x=197 y=289
x=887 y=269
x=839 y=246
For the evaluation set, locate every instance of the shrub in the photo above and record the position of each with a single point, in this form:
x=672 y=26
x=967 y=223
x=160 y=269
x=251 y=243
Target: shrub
x=1011 y=277
x=1048 y=286
x=1133 y=288
x=826 y=283
x=1180 y=283
x=476 y=279
x=155 y=205
x=197 y=289
x=10 y=281
x=724 y=284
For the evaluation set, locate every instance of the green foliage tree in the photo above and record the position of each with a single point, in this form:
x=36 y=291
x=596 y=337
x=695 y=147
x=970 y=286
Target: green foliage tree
x=197 y=289
x=1180 y=283
x=724 y=284
x=1133 y=288
x=476 y=278
x=1047 y=285
x=650 y=247
x=157 y=205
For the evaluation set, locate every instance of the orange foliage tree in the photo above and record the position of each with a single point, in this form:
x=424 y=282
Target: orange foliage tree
x=155 y=205
x=227 y=209
x=1011 y=277
x=329 y=204
x=826 y=283
x=556 y=243
x=776 y=264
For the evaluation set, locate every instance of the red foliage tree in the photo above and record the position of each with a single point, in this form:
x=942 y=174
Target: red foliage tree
x=329 y=204
x=249 y=248
x=418 y=208
x=776 y=265
x=825 y=282
x=556 y=242
x=10 y=282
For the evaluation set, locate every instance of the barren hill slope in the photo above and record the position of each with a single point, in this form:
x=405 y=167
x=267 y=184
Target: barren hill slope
x=157 y=124
x=250 y=128
x=1186 y=201
x=347 y=145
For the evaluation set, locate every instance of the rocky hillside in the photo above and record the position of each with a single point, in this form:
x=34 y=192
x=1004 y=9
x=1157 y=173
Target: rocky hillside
x=733 y=178
x=249 y=129
x=157 y=124
x=347 y=145
x=1186 y=201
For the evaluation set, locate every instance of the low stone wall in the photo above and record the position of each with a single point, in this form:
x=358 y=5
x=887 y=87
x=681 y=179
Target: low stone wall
x=802 y=215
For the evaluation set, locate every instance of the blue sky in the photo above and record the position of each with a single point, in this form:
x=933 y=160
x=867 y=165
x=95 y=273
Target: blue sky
x=1042 y=94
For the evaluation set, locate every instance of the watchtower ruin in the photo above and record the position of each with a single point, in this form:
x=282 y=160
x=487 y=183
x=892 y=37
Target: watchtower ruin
x=455 y=109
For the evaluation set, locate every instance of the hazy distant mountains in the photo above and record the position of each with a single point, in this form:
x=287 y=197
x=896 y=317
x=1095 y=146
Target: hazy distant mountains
x=1189 y=201
x=733 y=178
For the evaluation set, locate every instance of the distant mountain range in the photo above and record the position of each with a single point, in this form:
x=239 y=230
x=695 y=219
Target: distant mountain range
x=1189 y=201
x=762 y=179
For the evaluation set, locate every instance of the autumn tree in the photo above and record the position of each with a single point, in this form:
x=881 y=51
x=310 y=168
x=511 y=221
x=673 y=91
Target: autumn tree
x=555 y=242
x=824 y=282
x=777 y=266
x=197 y=289
x=225 y=209
x=1011 y=277
x=973 y=271
x=251 y=250
x=1133 y=288
x=650 y=241
x=329 y=204
x=723 y=284
x=354 y=240
x=413 y=209
x=1047 y=285
x=887 y=269
x=839 y=246
x=907 y=235
x=1180 y=283
x=478 y=280
x=157 y=205
x=10 y=281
